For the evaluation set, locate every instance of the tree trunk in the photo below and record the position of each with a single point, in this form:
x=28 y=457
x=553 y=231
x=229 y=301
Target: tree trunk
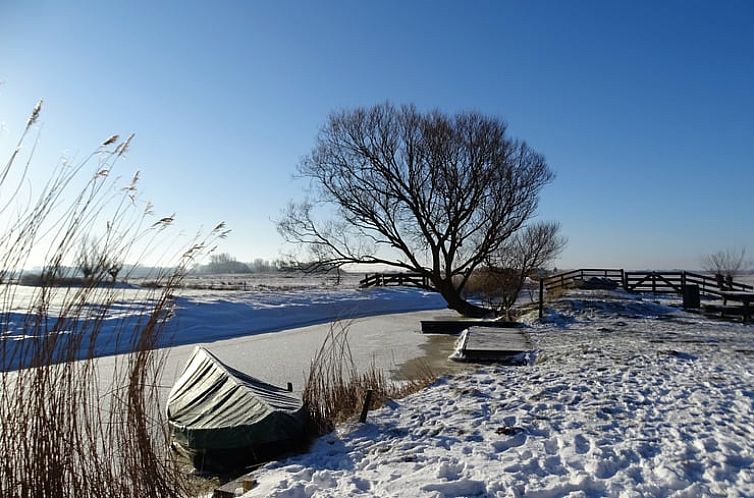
x=455 y=302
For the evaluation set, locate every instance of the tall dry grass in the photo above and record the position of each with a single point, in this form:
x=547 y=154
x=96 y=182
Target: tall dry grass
x=335 y=389
x=69 y=429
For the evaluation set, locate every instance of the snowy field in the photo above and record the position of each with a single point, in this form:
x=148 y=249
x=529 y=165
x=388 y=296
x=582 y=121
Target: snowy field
x=625 y=397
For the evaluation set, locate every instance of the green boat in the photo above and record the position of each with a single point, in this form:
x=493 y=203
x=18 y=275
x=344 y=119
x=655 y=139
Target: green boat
x=226 y=420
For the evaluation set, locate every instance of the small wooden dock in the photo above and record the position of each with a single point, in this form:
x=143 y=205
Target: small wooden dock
x=458 y=326
x=494 y=344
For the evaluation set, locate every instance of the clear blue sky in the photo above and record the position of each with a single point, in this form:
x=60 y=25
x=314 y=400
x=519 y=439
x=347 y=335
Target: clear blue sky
x=645 y=110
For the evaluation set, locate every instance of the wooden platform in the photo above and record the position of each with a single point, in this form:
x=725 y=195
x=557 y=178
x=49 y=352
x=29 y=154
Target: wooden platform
x=458 y=326
x=494 y=344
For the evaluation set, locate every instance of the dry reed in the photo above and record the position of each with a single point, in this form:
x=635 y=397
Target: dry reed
x=335 y=389
x=67 y=431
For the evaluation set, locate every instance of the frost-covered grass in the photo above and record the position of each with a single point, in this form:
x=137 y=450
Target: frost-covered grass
x=627 y=397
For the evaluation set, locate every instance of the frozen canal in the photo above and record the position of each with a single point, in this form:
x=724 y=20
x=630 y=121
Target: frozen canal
x=284 y=356
x=271 y=330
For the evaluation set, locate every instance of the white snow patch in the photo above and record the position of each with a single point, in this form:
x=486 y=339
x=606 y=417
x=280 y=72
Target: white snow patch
x=457 y=353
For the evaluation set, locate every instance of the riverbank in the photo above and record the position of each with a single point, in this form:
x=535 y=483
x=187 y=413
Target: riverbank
x=627 y=397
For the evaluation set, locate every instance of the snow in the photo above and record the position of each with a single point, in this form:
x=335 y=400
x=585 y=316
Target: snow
x=204 y=316
x=221 y=315
x=626 y=397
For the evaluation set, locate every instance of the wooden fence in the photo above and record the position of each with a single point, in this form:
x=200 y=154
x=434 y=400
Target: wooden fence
x=396 y=280
x=657 y=282
x=574 y=278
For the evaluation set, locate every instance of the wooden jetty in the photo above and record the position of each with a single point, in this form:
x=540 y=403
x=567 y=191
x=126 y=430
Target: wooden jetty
x=494 y=344
x=458 y=326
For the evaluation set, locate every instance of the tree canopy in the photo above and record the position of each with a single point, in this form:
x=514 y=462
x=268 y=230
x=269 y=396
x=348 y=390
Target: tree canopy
x=431 y=193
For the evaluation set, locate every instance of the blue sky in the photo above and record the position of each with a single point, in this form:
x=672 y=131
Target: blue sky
x=645 y=110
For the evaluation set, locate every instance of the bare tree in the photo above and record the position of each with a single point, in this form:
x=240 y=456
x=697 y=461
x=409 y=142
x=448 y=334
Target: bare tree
x=87 y=259
x=424 y=192
x=94 y=262
x=114 y=268
x=726 y=265
x=527 y=252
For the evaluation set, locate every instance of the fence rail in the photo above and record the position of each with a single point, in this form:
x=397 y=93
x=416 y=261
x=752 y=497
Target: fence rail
x=646 y=281
x=657 y=282
x=396 y=280
x=573 y=277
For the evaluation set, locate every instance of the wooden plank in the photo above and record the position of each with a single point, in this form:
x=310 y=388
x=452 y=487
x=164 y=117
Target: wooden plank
x=494 y=344
x=724 y=309
x=744 y=297
x=458 y=326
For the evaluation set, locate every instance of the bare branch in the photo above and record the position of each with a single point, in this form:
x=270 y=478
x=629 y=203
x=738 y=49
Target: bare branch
x=524 y=255
x=727 y=264
x=426 y=192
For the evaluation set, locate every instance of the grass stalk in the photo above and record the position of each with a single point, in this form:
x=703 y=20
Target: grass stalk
x=66 y=432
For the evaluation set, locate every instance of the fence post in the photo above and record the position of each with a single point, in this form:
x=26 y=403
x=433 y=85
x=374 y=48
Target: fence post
x=365 y=408
x=623 y=280
x=541 y=297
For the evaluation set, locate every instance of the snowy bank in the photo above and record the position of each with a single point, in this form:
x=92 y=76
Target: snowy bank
x=628 y=397
x=232 y=314
x=205 y=316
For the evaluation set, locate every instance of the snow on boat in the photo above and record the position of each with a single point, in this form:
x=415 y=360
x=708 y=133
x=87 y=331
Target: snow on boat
x=226 y=419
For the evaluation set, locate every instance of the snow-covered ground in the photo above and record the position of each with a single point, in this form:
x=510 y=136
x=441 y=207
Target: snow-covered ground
x=626 y=397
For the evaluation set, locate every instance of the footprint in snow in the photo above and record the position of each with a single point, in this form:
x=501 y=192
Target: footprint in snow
x=508 y=431
x=450 y=471
x=515 y=441
x=361 y=484
x=582 y=444
x=461 y=487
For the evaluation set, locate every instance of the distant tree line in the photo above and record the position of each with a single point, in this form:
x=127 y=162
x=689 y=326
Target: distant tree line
x=225 y=263
x=91 y=263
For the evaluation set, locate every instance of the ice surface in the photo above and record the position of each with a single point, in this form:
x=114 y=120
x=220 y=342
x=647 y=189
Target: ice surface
x=200 y=316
